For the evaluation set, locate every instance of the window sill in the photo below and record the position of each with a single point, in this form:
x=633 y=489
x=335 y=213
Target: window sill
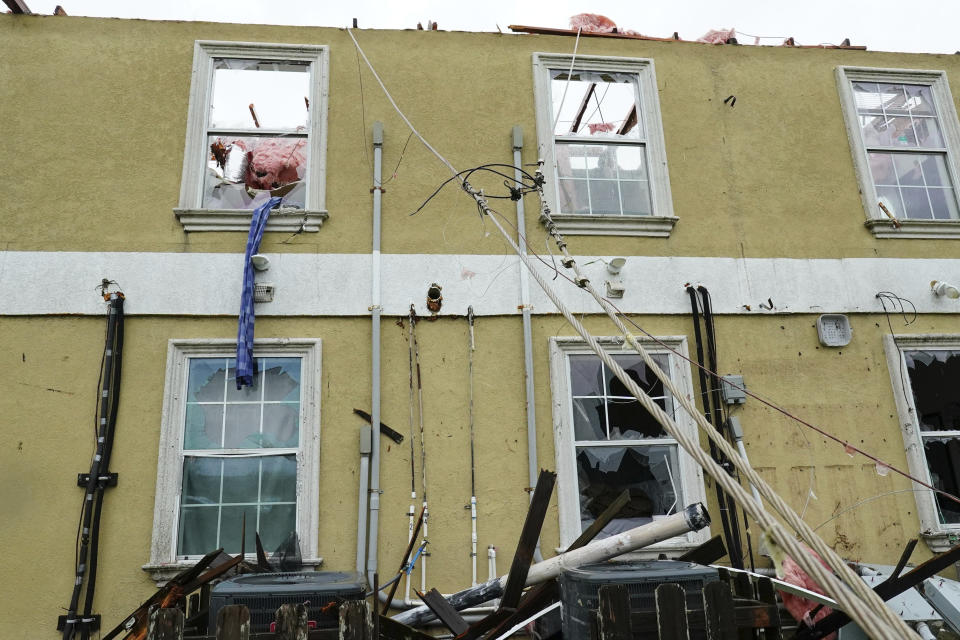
x=594 y=225
x=162 y=572
x=940 y=541
x=289 y=220
x=882 y=228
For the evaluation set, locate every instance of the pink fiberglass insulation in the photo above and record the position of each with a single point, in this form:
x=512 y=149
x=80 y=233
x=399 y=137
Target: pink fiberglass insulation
x=592 y=22
x=596 y=23
x=717 y=36
x=799 y=607
x=274 y=162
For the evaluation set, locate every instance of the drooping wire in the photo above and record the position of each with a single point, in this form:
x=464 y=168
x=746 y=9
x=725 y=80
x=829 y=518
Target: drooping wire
x=363 y=116
x=896 y=301
x=768 y=403
x=402 y=153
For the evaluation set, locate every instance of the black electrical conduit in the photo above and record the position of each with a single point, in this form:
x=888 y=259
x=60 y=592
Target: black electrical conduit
x=719 y=419
x=98 y=479
x=731 y=530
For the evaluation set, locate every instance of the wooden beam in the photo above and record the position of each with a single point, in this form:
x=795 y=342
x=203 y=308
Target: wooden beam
x=602 y=520
x=671 y=604
x=17 y=6
x=536 y=599
x=719 y=612
x=707 y=553
x=390 y=629
x=575 y=126
x=529 y=535
x=449 y=616
x=613 y=613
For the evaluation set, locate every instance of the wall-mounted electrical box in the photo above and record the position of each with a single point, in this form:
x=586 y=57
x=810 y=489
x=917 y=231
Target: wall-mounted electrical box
x=732 y=394
x=263 y=292
x=834 y=330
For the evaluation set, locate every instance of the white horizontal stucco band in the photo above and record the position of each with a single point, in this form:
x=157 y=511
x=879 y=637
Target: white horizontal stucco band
x=208 y=284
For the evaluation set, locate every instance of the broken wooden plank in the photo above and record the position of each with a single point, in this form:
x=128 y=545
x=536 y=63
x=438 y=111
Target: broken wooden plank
x=719 y=612
x=534 y=600
x=262 y=563
x=767 y=595
x=355 y=620
x=613 y=612
x=529 y=535
x=390 y=629
x=904 y=558
x=394 y=435
x=449 y=616
x=165 y=624
x=602 y=520
x=233 y=623
x=707 y=553
x=292 y=622
x=403 y=563
x=671 y=603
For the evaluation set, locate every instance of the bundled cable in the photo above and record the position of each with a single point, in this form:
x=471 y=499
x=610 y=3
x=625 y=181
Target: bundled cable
x=98 y=479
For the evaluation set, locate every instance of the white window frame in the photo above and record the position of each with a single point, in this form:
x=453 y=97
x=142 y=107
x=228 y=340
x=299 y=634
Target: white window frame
x=190 y=212
x=691 y=474
x=939 y=537
x=662 y=221
x=877 y=221
x=164 y=562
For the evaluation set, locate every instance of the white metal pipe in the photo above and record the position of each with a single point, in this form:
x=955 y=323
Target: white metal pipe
x=693 y=518
x=533 y=467
x=473 y=538
x=412 y=526
x=375 y=309
x=924 y=630
x=491 y=562
x=425 y=543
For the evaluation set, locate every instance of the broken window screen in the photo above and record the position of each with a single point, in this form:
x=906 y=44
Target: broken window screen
x=936 y=399
x=240 y=455
x=600 y=144
x=619 y=445
x=906 y=150
x=257 y=133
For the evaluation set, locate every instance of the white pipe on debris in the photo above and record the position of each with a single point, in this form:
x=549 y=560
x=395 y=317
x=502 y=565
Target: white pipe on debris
x=693 y=518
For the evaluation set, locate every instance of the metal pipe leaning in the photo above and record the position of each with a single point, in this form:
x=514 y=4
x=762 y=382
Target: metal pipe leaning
x=693 y=518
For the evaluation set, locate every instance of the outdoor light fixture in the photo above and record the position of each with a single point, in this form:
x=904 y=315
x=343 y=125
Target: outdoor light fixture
x=615 y=265
x=941 y=288
x=260 y=262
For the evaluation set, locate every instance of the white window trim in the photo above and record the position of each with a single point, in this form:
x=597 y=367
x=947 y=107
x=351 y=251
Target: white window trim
x=190 y=212
x=567 y=491
x=662 y=222
x=164 y=563
x=877 y=222
x=939 y=537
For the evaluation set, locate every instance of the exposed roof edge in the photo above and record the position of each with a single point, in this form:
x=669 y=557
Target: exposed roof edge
x=547 y=31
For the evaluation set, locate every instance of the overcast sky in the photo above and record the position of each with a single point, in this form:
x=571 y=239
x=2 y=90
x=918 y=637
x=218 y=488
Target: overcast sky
x=890 y=25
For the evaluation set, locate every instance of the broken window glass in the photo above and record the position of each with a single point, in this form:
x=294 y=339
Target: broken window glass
x=618 y=444
x=239 y=454
x=934 y=376
x=257 y=136
x=608 y=176
x=650 y=473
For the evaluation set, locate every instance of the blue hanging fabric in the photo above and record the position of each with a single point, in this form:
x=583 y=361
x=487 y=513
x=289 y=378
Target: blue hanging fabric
x=245 y=325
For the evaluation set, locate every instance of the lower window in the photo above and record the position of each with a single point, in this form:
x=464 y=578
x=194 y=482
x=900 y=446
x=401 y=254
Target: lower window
x=925 y=370
x=606 y=443
x=238 y=459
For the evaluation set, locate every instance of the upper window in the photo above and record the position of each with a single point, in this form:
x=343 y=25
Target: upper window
x=600 y=134
x=227 y=455
x=925 y=370
x=607 y=443
x=256 y=129
x=905 y=137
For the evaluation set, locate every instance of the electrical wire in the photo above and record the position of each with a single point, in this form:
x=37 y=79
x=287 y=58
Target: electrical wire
x=573 y=59
x=895 y=300
x=860 y=503
x=770 y=404
x=363 y=116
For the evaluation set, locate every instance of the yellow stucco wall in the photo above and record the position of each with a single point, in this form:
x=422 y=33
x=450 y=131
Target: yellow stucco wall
x=98 y=113
x=94 y=113
x=49 y=414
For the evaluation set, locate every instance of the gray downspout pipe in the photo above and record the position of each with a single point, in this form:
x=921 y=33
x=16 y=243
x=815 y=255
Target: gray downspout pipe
x=370 y=533
x=533 y=468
